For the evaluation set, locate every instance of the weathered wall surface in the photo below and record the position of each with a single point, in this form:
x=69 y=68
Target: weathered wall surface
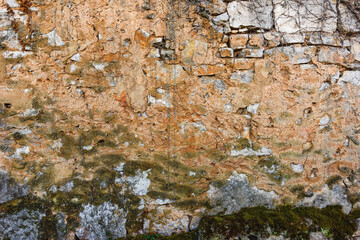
x=139 y=116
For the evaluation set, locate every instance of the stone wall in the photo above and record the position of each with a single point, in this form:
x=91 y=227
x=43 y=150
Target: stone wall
x=140 y=116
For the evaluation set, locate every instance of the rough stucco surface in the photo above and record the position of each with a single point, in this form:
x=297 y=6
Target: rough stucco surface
x=131 y=116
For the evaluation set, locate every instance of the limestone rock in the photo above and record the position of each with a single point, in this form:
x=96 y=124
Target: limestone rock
x=9 y=189
x=221 y=19
x=237 y=193
x=328 y=197
x=352 y=77
x=309 y=15
x=21 y=225
x=355 y=50
x=97 y=221
x=348 y=21
x=295 y=54
x=335 y=55
x=250 y=14
x=243 y=76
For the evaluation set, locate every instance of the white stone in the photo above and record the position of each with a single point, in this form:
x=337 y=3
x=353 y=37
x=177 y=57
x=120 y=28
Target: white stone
x=20 y=151
x=72 y=68
x=253 y=108
x=12 y=3
x=352 y=77
x=221 y=19
x=16 y=54
x=250 y=14
x=76 y=57
x=324 y=120
x=355 y=50
x=324 y=86
x=54 y=39
x=243 y=76
x=348 y=21
x=298 y=168
x=139 y=184
x=293 y=38
x=100 y=66
x=154 y=101
x=246 y=152
x=200 y=126
x=309 y=15
x=29 y=113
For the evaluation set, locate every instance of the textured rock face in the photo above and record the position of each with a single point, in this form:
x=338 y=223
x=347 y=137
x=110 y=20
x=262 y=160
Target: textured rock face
x=98 y=222
x=22 y=225
x=131 y=117
x=9 y=189
x=237 y=193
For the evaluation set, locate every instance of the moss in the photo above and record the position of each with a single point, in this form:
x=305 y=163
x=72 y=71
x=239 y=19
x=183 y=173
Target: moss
x=217 y=155
x=293 y=223
x=290 y=154
x=191 y=204
x=70 y=146
x=158 y=194
x=110 y=117
x=299 y=190
x=110 y=159
x=333 y=180
x=268 y=162
x=191 y=154
x=354 y=198
x=344 y=169
x=242 y=143
x=47 y=225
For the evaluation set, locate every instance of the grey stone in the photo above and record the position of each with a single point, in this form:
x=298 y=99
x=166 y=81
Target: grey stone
x=309 y=15
x=219 y=85
x=243 y=76
x=250 y=14
x=295 y=54
x=328 y=197
x=97 y=221
x=348 y=21
x=221 y=19
x=9 y=189
x=21 y=225
x=172 y=226
x=247 y=152
x=251 y=53
x=352 y=77
x=325 y=39
x=61 y=226
x=298 y=168
x=274 y=38
x=317 y=236
x=237 y=194
x=334 y=55
x=293 y=38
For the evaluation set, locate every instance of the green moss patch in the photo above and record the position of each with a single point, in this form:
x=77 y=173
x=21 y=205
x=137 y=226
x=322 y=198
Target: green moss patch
x=293 y=223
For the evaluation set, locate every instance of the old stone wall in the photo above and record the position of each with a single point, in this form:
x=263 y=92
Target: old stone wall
x=128 y=117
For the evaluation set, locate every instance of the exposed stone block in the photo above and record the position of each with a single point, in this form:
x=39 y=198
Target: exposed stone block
x=250 y=14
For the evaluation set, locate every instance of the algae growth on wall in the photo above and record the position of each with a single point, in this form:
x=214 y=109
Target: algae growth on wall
x=210 y=119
